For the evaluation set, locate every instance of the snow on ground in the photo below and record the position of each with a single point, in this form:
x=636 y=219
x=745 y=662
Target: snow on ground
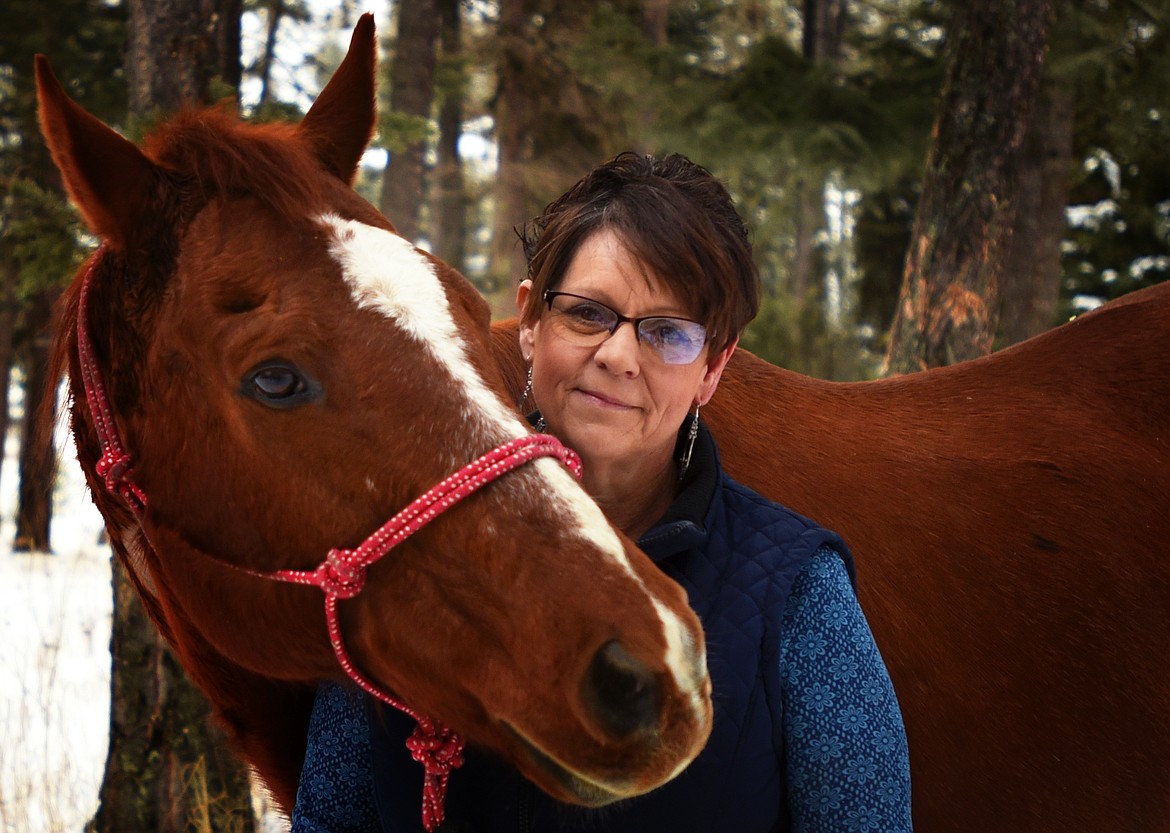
x=55 y=616
x=54 y=661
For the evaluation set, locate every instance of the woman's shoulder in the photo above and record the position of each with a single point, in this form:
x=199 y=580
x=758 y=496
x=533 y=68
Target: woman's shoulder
x=747 y=521
x=744 y=502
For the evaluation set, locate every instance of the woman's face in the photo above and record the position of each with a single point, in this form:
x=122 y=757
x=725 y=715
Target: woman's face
x=618 y=401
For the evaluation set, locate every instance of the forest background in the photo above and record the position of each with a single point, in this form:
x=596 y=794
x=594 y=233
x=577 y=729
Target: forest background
x=817 y=114
x=826 y=118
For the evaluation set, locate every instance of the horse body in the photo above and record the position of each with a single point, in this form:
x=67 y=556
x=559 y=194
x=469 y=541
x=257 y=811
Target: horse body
x=287 y=373
x=1009 y=521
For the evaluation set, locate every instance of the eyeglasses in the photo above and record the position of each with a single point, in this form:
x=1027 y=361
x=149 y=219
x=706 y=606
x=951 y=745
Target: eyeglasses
x=585 y=322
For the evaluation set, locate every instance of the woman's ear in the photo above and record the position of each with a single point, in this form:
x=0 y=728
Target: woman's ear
x=715 y=365
x=527 y=329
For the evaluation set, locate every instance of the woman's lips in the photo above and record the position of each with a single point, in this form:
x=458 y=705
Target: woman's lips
x=602 y=400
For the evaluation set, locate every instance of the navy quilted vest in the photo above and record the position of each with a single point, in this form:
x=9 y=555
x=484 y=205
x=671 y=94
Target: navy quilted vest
x=737 y=555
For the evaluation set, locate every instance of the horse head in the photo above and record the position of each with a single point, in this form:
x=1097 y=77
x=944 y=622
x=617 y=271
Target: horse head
x=287 y=373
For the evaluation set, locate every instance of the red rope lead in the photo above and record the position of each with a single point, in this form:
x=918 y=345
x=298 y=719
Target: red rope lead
x=343 y=572
x=115 y=466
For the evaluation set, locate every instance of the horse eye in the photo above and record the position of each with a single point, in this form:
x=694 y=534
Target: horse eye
x=280 y=385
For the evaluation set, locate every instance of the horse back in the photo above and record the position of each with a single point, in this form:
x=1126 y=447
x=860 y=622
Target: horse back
x=1008 y=518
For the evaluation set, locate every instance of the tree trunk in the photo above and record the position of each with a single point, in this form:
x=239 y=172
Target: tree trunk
x=181 y=52
x=412 y=93
x=824 y=27
x=8 y=315
x=275 y=13
x=38 y=462
x=824 y=24
x=948 y=306
x=168 y=770
x=449 y=224
x=655 y=20
x=809 y=218
x=1030 y=286
x=507 y=262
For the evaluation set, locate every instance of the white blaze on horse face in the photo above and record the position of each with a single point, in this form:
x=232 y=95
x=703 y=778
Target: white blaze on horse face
x=387 y=274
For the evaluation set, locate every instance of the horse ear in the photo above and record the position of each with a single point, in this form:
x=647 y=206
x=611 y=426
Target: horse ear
x=341 y=121
x=108 y=177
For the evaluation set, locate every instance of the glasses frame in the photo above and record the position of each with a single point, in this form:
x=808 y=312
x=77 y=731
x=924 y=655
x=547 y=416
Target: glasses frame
x=552 y=294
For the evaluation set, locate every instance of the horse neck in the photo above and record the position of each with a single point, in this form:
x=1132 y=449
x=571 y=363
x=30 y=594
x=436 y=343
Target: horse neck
x=505 y=345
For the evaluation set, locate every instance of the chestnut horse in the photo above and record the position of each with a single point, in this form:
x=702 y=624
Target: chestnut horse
x=1008 y=515
x=1010 y=520
x=287 y=373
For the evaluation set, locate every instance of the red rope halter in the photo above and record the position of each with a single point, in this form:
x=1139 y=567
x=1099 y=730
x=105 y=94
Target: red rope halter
x=343 y=572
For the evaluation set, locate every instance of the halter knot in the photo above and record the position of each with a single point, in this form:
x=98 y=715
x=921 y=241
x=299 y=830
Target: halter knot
x=340 y=575
x=116 y=469
x=439 y=750
x=343 y=572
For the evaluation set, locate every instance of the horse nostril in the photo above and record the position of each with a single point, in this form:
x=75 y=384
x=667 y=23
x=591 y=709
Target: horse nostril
x=621 y=692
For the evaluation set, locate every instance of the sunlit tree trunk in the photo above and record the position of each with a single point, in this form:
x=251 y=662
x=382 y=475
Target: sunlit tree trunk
x=412 y=94
x=168 y=770
x=948 y=307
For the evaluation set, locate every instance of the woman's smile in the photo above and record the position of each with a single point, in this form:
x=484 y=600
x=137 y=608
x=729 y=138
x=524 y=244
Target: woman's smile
x=605 y=401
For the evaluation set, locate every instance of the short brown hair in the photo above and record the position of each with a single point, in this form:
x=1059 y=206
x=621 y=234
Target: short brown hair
x=675 y=217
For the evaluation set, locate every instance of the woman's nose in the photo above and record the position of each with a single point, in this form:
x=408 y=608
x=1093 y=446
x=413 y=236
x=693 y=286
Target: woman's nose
x=621 y=352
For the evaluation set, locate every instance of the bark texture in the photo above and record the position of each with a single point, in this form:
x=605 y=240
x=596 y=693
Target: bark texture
x=1030 y=286
x=181 y=52
x=449 y=225
x=949 y=302
x=38 y=461
x=507 y=259
x=412 y=94
x=168 y=769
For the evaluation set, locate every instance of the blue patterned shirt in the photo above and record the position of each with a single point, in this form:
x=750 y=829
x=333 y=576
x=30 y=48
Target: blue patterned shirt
x=847 y=767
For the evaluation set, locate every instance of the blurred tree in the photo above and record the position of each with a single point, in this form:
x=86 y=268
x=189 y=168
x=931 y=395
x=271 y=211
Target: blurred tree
x=553 y=120
x=168 y=769
x=406 y=127
x=40 y=244
x=1029 y=284
x=517 y=43
x=1117 y=57
x=948 y=308
x=275 y=12
x=449 y=196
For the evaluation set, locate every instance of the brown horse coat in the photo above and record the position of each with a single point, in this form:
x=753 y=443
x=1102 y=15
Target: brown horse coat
x=1008 y=515
x=1010 y=520
x=287 y=373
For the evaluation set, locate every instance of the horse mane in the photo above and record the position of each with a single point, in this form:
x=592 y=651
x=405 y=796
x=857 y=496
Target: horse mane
x=211 y=153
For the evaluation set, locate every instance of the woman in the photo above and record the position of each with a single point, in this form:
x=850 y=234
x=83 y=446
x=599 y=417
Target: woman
x=640 y=282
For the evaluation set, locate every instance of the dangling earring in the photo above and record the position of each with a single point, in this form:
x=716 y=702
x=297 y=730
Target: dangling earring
x=527 y=395
x=685 y=462
x=524 y=397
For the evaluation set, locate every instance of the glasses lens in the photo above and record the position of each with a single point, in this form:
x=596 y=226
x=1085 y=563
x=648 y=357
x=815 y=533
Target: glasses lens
x=581 y=319
x=676 y=340
x=588 y=323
